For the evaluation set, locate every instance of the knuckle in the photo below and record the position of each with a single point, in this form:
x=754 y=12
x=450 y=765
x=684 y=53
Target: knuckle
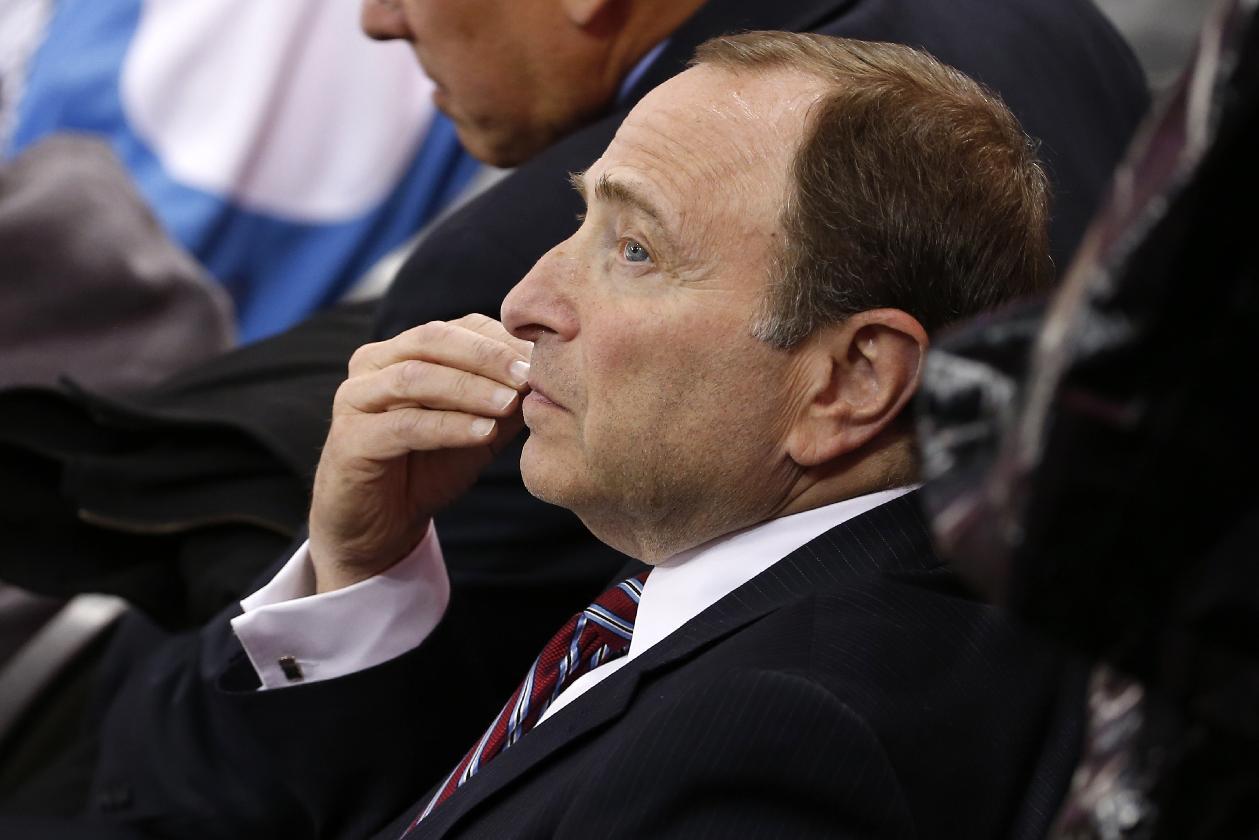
x=361 y=356
x=408 y=425
x=408 y=378
x=460 y=387
x=342 y=396
x=432 y=332
x=451 y=427
x=487 y=352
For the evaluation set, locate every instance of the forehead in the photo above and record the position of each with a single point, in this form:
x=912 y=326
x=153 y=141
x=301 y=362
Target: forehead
x=713 y=139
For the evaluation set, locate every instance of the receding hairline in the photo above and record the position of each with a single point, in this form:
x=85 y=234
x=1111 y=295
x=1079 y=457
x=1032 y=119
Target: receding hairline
x=883 y=82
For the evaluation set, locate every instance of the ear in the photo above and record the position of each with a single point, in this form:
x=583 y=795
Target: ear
x=583 y=12
x=858 y=375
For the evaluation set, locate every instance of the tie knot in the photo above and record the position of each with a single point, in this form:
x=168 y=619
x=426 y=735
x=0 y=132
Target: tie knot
x=610 y=619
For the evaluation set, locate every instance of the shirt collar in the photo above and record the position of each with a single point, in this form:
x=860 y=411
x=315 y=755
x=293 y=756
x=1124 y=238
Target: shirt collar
x=686 y=584
x=640 y=69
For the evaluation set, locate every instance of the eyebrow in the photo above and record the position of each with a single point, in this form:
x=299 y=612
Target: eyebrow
x=618 y=192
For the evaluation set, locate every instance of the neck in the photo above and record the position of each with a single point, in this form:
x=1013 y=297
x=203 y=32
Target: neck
x=644 y=25
x=886 y=462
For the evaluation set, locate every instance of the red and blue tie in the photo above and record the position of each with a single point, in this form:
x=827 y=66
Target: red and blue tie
x=598 y=634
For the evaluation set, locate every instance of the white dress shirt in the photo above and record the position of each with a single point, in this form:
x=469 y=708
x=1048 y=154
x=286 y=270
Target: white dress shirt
x=292 y=636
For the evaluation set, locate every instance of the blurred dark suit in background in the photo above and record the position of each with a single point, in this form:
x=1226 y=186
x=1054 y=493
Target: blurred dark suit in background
x=1107 y=493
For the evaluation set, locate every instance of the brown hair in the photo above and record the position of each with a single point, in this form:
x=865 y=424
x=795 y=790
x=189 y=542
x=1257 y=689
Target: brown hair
x=913 y=188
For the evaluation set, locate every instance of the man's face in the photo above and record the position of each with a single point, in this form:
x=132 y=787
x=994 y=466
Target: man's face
x=656 y=415
x=513 y=75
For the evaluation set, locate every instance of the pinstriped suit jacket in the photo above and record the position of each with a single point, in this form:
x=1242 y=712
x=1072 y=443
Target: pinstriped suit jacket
x=851 y=690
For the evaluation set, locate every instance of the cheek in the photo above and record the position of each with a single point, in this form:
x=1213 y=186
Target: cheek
x=438 y=22
x=628 y=381
x=461 y=53
x=655 y=382
x=488 y=92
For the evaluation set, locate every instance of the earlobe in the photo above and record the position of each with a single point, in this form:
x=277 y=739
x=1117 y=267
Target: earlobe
x=823 y=413
x=582 y=12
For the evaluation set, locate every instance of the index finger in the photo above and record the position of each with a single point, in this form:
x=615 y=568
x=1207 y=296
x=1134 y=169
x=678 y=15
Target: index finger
x=493 y=328
x=449 y=345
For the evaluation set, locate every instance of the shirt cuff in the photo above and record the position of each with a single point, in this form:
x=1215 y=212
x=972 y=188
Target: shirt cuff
x=293 y=636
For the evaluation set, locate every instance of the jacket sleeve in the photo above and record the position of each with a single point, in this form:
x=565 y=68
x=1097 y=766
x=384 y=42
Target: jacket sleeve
x=190 y=749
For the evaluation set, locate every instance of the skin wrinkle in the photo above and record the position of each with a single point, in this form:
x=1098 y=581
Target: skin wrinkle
x=676 y=168
x=688 y=170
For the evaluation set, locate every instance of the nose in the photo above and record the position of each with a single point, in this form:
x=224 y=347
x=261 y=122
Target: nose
x=543 y=302
x=384 y=20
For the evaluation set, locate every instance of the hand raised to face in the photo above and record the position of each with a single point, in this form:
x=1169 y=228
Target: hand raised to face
x=413 y=425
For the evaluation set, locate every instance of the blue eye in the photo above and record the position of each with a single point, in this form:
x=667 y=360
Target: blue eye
x=634 y=252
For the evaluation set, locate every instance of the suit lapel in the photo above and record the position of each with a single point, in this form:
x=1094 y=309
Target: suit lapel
x=889 y=539
x=892 y=538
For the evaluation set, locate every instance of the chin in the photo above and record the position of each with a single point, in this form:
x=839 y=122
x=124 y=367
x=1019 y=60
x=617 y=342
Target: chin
x=494 y=145
x=537 y=487
x=500 y=142
x=539 y=475
x=555 y=479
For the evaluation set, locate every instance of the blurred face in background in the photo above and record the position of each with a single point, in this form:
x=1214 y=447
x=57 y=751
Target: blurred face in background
x=513 y=75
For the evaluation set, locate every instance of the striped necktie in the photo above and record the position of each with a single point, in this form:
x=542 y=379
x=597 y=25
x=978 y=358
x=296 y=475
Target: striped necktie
x=598 y=634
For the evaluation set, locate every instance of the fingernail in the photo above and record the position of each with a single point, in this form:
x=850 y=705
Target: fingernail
x=520 y=372
x=503 y=397
x=482 y=426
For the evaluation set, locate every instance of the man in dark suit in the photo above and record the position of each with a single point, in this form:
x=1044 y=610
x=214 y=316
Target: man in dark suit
x=1059 y=66
x=714 y=369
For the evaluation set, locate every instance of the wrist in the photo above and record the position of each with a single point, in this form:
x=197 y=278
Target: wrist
x=329 y=577
x=334 y=569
